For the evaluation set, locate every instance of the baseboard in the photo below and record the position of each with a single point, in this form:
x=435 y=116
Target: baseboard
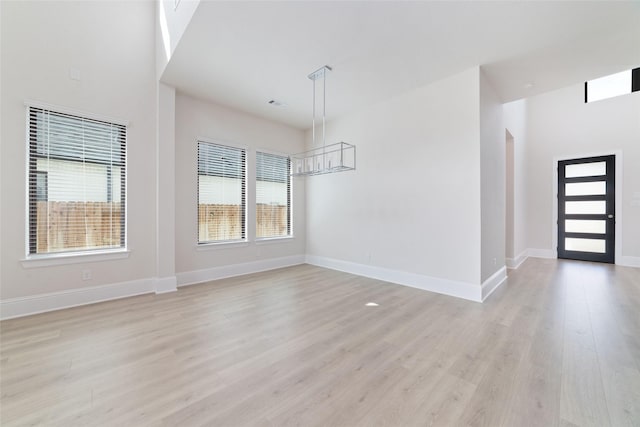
x=541 y=253
x=514 y=263
x=208 y=274
x=166 y=284
x=629 y=261
x=492 y=283
x=24 y=306
x=468 y=291
x=626 y=261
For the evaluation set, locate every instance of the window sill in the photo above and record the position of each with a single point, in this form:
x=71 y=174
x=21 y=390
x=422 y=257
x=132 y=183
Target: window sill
x=47 y=260
x=221 y=245
x=267 y=240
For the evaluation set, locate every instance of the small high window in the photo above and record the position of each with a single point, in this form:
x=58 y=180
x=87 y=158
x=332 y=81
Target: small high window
x=612 y=85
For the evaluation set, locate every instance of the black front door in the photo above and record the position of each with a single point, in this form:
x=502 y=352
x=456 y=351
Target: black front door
x=586 y=209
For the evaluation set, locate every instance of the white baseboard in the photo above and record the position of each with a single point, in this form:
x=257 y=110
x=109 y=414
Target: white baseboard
x=24 y=306
x=626 y=261
x=492 y=283
x=468 y=291
x=541 y=253
x=208 y=274
x=514 y=263
x=629 y=261
x=166 y=284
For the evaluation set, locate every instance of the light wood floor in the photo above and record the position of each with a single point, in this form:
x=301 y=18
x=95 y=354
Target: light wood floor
x=558 y=345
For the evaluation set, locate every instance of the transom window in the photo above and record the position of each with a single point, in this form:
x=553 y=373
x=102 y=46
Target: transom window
x=612 y=85
x=76 y=183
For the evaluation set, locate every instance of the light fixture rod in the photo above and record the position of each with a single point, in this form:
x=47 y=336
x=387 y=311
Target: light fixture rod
x=320 y=73
x=331 y=158
x=313 y=120
x=324 y=109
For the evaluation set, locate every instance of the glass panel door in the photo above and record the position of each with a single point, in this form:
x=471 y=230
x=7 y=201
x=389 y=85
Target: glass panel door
x=586 y=209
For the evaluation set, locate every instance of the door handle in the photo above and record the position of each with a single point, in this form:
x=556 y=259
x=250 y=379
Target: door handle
x=610 y=216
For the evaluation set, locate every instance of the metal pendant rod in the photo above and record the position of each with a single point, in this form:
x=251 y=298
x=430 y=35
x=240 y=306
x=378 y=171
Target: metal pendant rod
x=331 y=158
x=320 y=73
x=324 y=106
x=313 y=120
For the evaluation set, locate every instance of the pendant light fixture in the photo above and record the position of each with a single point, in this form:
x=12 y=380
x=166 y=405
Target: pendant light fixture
x=322 y=159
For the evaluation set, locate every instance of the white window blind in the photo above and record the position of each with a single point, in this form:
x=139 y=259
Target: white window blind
x=76 y=183
x=273 y=195
x=221 y=193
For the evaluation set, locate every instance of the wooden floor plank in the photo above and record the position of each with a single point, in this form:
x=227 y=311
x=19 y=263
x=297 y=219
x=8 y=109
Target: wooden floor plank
x=582 y=400
x=557 y=345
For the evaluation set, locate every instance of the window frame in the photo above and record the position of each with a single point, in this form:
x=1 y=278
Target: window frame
x=635 y=86
x=76 y=255
x=243 y=196
x=290 y=233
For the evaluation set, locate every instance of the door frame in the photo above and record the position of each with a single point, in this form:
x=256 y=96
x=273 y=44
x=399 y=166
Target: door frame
x=608 y=216
x=618 y=196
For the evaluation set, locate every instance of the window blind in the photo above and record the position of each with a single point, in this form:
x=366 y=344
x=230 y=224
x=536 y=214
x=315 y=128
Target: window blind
x=273 y=195
x=221 y=193
x=77 y=183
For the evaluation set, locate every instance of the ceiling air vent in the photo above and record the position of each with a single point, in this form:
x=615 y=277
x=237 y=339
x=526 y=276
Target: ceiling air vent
x=277 y=103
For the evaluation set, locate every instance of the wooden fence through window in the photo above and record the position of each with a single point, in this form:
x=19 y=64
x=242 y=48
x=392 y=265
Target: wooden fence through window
x=92 y=225
x=224 y=222
x=77 y=225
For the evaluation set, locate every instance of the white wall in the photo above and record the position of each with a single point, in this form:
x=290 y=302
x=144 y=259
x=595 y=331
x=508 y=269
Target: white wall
x=165 y=188
x=111 y=44
x=560 y=124
x=515 y=122
x=199 y=119
x=413 y=204
x=171 y=23
x=492 y=180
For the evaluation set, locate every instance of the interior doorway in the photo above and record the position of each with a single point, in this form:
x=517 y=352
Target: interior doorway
x=509 y=234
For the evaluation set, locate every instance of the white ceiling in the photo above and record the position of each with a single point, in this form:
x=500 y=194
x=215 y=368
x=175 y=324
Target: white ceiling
x=242 y=54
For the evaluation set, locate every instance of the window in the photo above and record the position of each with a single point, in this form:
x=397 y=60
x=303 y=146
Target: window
x=76 y=183
x=221 y=193
x=612 y=85
x=273 y=195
